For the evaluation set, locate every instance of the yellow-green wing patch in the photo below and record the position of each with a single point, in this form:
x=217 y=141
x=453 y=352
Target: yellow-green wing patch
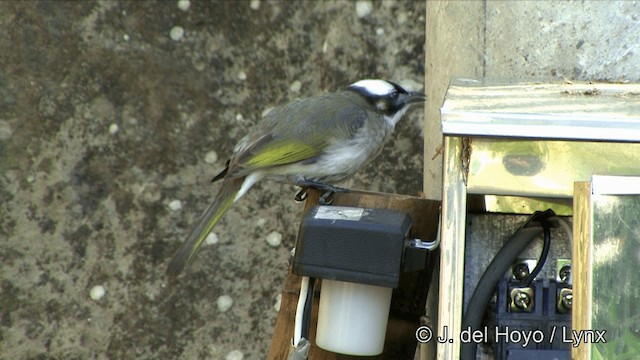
x=281 y=153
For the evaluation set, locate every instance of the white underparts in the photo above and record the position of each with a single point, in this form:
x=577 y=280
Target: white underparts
x=248 y=183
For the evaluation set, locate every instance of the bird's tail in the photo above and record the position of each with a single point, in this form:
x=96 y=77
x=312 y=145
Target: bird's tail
x=226 y=196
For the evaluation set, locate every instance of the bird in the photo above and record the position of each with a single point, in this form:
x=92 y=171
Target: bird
x=313 y=142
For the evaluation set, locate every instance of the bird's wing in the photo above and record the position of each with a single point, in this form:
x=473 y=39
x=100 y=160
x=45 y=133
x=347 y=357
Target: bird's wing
x=272 y=150
x=268 y=152
x=282 y=139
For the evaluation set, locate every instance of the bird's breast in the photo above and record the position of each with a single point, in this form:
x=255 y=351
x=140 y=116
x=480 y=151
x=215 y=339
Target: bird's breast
x=344 y=157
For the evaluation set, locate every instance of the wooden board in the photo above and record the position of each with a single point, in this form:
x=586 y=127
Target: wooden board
x=581 y=316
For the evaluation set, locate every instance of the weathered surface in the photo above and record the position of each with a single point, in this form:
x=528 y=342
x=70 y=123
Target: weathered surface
x=106 y=122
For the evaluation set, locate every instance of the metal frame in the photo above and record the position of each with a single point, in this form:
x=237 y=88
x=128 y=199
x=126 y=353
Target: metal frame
x=600 y=114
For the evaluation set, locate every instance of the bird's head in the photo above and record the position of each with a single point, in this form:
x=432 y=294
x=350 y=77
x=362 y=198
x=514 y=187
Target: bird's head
x=387 y=97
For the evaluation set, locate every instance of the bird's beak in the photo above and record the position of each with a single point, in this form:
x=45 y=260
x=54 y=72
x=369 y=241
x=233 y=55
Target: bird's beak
x=415 y=97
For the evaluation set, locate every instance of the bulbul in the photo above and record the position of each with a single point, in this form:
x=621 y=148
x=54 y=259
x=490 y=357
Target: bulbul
x=313 y=142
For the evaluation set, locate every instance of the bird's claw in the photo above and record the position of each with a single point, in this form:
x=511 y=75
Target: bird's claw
x=326 y=198
x=301 y=195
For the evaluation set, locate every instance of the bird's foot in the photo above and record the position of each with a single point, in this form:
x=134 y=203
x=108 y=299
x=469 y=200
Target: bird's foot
x=326 y=198
x=301 y=195
x=320 y=186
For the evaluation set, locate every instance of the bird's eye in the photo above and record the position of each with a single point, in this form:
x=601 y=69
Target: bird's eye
x=394 y=94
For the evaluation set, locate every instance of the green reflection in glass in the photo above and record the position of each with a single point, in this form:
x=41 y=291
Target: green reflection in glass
x=616 y=281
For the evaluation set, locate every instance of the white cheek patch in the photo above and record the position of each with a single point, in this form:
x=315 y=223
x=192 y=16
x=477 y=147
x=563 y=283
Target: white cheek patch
x=375 y=87
x=382 y=105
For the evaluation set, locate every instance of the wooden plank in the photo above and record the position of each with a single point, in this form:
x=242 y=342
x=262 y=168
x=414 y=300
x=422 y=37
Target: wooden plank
x=408 y=300
x=455 y=25
x=454 y=214
x=581 y=314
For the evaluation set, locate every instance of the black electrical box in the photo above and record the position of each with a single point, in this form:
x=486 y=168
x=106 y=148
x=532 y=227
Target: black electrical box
x=352 y=244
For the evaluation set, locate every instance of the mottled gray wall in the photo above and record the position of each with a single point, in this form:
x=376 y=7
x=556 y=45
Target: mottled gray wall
x=112 y=125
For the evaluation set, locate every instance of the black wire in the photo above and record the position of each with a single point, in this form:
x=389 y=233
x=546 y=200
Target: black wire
x=546 y=228
x=501 y=262
x=306 y=312
x=483 y=292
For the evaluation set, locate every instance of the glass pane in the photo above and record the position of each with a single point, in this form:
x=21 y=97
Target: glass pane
x=616 y=284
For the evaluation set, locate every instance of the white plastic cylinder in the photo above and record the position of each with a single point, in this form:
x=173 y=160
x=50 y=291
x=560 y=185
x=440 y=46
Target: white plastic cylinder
x=352 y=318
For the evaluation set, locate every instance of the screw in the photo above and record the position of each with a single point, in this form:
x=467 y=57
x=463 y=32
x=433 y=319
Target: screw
x=520 y=271
x=565 y=273
x=521 y=300
x=566 y=300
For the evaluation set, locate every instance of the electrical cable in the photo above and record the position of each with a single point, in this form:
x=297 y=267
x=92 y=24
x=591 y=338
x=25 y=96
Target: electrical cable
x=302 y=299
x=500 y=264
x=546 y=246
x=306 y=313
x=488 y=282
